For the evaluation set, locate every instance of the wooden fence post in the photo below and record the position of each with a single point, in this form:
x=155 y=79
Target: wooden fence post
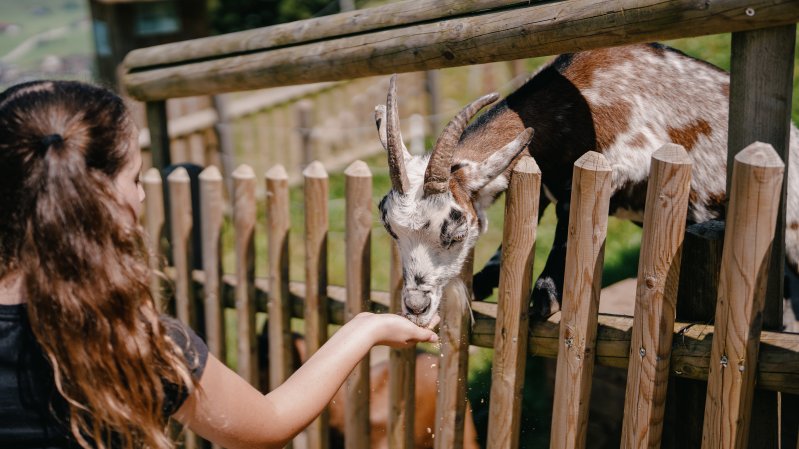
x=212 y=213
x=515 y=280
x=305 y=123
x=402 y=370
x=159 y=135
x=754 y=200
x=588 y=217
x=223 y=128
x=154 y=224
x=278 y=225
x=433 y=100
x=244 y=226
x=316 y=319
x=760 y=110
x=181 y=225
x=656 y=297
x=358 y=257
x=454 y=336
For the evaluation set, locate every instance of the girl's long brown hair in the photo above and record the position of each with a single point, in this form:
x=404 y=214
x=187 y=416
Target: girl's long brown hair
x=64 y=227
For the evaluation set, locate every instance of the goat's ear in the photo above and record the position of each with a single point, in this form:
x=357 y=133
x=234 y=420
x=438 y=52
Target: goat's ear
x=486 y=171
x=380 y=122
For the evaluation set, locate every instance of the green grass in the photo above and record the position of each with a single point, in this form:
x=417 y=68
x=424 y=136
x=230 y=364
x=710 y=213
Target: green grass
x=75 y=42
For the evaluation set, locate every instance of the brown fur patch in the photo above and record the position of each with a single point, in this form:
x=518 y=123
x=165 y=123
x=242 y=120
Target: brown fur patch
x=687 y=136
x=584 y=65
x=609 y=122
x=457 y=183
x=716 y=203
x=638 y=141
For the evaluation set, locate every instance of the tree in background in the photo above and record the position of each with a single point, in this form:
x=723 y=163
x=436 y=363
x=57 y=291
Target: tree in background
x=236 y=15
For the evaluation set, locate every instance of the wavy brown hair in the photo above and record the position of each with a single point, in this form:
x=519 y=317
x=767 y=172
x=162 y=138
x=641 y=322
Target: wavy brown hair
x=64 y=228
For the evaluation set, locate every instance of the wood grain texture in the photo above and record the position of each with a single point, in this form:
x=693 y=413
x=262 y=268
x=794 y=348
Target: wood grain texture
x=515 y=281
x=212 y=215
x=754 y=200
x=316 y=318
x=656 y=297
x=505 y=34
x=154 y=225
x=588 y=216
x=402 y=371
x=181 y=226
x=278 y=224
x=358 y=181
x=244 y=229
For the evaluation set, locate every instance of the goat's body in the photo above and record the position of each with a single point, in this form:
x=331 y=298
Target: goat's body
x=625 y=103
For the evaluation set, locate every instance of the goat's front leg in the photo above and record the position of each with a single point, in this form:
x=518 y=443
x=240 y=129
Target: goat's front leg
x=548 y=289
x=487 y=279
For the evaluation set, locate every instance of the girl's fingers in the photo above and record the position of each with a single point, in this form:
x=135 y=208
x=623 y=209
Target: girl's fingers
x=434 y=323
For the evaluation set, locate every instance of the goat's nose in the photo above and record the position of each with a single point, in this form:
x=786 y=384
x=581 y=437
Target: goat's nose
x=418 y=303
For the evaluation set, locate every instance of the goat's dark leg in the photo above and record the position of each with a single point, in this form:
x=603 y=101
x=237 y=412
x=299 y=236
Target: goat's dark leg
x=548 y=288
x=487 y=279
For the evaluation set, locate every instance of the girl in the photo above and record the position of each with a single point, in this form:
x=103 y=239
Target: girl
x=85 y=358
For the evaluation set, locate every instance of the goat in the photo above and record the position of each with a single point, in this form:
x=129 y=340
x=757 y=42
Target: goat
x=425 y=392
x=623 y=102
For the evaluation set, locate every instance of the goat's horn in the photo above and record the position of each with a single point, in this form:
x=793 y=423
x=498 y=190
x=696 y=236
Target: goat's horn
x=394 y=144
x=436 y=176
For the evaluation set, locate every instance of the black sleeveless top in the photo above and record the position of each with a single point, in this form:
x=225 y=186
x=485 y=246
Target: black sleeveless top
x=32 y=412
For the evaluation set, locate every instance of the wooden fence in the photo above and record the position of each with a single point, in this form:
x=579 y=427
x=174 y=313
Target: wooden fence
x=420 y=35
x=643 y=343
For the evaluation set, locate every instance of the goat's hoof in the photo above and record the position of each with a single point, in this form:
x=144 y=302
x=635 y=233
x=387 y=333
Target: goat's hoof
x=545 y=299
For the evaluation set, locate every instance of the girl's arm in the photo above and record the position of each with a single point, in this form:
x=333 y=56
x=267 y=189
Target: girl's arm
x=230 y=412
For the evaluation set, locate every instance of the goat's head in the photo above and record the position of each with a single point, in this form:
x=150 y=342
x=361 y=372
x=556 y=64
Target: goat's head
x=436 y=207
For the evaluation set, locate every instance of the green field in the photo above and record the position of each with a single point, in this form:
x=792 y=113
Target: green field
x=38 y=16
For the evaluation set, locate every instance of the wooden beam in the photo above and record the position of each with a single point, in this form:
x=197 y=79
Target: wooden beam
x=402 y=13
x=497 y=35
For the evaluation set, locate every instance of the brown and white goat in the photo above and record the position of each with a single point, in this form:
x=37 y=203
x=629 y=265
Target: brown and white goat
x=623 y=102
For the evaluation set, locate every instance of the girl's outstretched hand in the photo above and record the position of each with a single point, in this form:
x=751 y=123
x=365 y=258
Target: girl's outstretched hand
x=398 y=332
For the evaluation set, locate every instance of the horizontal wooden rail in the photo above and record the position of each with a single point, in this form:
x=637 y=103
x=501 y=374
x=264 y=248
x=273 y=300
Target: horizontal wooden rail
x=235 y=108
x=497 y=34
x=402 y=13
x=778 y=364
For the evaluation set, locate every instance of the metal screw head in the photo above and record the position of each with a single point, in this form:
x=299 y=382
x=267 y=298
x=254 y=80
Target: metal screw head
x=642 y=351
x=724 y=361
x=569 y=342
x=750 y=12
